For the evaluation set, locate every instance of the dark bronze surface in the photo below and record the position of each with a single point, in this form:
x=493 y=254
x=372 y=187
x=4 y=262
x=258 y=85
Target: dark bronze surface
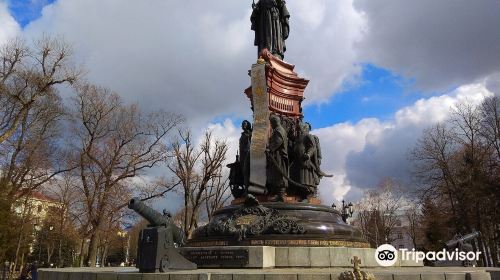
x=278 y=224
x=270 y=23
x=157 y=250
x=277 y=152
x=282 y=243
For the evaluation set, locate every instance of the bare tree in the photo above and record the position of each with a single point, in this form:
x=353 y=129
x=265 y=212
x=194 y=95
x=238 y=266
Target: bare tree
x=31 y=156
x=380 y=211
x=28 y=74
x=30 y=112
x=113 y=144
x=199 y=171
x=65 y=192
x=218 y=195
x=413 y=217
x=434 y=157
x=490 y=111
x=25 y=228
x=457 y=165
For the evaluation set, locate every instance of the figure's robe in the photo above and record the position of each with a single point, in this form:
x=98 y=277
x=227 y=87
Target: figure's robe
x=278 y=150
x=245 y=141
x=270 y=23
x=317 y=162
x=303 y=170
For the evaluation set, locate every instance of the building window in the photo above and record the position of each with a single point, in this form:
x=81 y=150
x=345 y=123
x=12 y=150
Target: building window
x=400 y=235
x=401 y=246
x=39 y=208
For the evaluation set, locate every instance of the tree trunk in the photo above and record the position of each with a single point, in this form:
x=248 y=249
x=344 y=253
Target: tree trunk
x=18 y=248
x=92 y=254
x=26 y=213
x=82 y=247
x=105 y=254
x=21 y=266
x=61 y=227
x=193 y=221
x=50 y=252
x=59 y=252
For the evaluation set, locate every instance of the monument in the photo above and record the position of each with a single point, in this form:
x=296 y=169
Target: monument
x=276 y=219
x=275 y=178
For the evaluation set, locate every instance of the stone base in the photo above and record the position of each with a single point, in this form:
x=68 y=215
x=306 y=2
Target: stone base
x=282 y=257
x=420 y=273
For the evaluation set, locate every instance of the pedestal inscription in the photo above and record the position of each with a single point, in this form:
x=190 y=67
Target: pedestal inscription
x=232 y=258
x=260 y=132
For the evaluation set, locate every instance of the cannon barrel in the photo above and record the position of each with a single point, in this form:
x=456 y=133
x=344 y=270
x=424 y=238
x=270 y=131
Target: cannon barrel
x=468 y=237
x=154 y=218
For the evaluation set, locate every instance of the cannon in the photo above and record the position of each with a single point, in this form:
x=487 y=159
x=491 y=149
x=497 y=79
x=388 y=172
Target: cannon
x=462 y=244
x=157 y=244
x=462 y=241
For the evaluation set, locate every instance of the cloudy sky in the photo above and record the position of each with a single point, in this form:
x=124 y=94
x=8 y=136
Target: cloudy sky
x=380 y=71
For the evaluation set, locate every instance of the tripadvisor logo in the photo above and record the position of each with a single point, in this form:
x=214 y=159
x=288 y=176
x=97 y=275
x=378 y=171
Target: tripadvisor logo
x=387 y=255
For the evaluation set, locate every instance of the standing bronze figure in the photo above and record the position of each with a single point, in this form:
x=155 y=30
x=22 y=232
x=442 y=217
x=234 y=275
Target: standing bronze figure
x=278 y=160
x=317 y=159
x=270 y=23
x=303 y=169
x=245 y=142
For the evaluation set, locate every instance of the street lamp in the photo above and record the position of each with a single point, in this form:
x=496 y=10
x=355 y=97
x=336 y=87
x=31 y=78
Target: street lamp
x=347 y=211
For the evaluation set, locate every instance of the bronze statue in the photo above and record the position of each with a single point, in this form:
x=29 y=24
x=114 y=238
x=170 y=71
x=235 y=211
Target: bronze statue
x=317 y=162
x=245 y=141
x=318 y=146
x=277 y=151
x=270 y=23
x=303 y=169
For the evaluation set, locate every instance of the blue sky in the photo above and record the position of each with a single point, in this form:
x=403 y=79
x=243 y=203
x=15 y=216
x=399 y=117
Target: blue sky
x=378 y=93
x=25 y=11
x=374 y=86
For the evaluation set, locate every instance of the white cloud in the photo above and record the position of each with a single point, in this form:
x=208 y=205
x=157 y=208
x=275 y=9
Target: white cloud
x=229 y=133
x=9 y=28
x=192 y=57
x=493 y=83
x=311 y=13
x=321 y=44
x=440 y=44
x=361 y=154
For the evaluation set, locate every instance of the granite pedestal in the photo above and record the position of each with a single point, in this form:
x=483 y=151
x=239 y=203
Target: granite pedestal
x=282 y=257
x=419 y=273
